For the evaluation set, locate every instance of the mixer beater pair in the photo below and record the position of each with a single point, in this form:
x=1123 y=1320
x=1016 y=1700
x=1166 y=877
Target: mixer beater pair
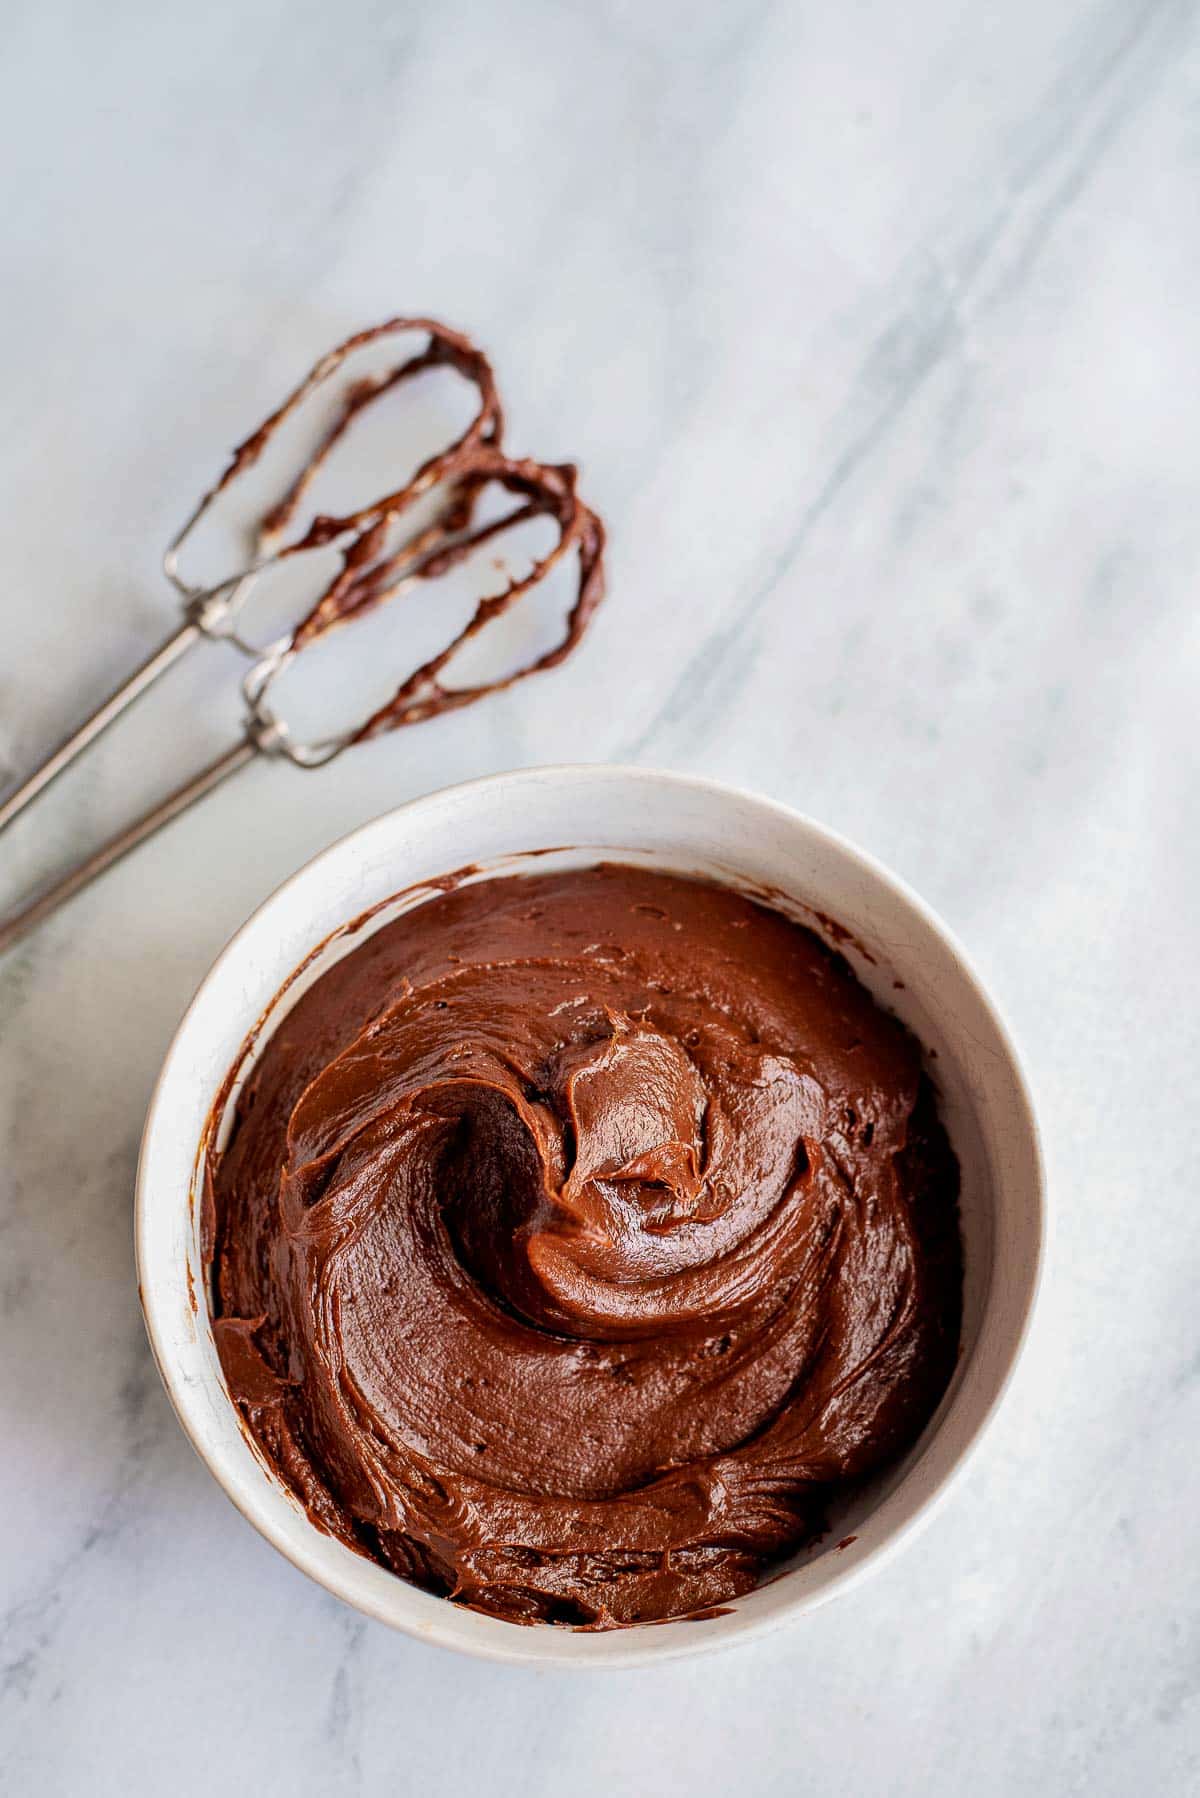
x=370 y=573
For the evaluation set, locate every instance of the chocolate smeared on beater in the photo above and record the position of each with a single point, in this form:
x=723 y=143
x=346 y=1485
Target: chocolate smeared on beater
x=369 y=573
x=578 y=1238
x=446 y=348
x=372 y=570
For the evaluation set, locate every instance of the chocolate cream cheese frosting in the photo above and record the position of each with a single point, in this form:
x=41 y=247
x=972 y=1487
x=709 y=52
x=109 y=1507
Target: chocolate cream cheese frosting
x=578 y=1237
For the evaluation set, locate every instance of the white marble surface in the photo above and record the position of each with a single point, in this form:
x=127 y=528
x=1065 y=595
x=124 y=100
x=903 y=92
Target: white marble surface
x=875 y=330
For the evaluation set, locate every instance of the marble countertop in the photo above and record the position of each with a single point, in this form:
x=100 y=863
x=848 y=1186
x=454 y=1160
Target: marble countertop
x=874 y=330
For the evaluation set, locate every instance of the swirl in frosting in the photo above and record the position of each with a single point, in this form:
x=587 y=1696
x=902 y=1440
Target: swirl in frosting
x=578 y=1236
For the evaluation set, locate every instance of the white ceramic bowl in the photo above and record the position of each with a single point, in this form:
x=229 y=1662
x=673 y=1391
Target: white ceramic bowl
x=660 y=820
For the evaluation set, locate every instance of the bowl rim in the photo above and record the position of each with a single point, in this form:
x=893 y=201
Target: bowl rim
x=548 y=1647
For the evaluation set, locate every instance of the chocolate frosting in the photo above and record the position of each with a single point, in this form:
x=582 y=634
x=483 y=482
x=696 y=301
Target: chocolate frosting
x=377 y=561
x=579 y=1235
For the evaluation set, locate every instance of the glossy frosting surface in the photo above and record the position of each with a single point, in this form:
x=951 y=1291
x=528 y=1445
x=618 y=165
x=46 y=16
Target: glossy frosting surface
x=578 y=1235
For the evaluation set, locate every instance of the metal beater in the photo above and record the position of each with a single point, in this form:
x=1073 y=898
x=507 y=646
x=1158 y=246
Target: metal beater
x=370 y=573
